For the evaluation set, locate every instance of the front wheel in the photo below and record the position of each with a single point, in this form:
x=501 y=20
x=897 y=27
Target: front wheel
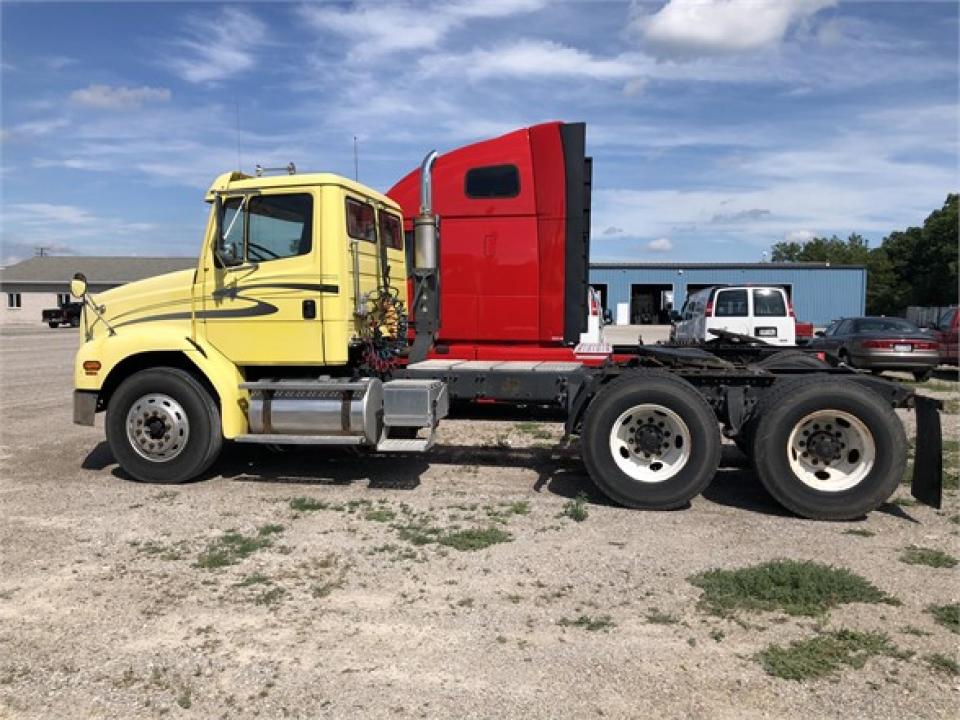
x=163 y=426
x=650 y=441
x=828 y=449
x=922 y=375
x=53 y=325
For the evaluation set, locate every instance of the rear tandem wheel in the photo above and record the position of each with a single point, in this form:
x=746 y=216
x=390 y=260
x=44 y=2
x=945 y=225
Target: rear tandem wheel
x=650 y=440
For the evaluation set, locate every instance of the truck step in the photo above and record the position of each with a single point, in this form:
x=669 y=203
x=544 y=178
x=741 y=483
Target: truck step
x=278 y=439
x=412 y=445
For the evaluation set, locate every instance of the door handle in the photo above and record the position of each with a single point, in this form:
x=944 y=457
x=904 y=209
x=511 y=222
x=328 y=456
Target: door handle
x=489 y=245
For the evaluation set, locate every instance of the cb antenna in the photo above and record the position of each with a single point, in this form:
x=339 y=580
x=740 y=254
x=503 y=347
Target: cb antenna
x=239 y=154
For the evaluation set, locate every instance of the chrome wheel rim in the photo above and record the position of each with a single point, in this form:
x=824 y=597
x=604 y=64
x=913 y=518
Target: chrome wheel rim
x=650 y=443
x=831 y=450
x=157 y=427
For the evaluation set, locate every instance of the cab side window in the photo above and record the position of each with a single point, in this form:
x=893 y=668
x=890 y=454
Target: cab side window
x=360 y=221
x=493 y=181
x=391 y=230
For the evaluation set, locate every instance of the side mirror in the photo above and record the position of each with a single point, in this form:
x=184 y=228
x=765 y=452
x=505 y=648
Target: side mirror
x=78 y=286
x=819 y=333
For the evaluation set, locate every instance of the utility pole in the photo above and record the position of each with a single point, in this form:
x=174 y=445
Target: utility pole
x=41 y=252
x=356 y=160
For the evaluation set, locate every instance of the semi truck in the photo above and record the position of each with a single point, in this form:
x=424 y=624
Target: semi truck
x=322 y=312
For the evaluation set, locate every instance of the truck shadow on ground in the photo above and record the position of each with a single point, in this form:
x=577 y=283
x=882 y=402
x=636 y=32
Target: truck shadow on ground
x=559 y=471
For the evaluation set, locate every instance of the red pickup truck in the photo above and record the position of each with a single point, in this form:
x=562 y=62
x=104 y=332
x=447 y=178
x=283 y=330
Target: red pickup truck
x=946 y=332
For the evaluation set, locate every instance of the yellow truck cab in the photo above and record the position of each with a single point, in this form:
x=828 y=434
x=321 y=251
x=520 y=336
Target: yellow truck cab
x=298 y=275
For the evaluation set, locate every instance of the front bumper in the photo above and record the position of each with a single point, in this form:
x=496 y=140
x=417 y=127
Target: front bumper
x=84 y=406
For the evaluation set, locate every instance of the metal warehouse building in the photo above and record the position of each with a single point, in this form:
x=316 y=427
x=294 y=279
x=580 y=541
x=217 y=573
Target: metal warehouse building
x=819 y=292
x=33 y=285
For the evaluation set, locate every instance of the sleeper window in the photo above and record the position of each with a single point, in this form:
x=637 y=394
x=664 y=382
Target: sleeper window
x=493 y=181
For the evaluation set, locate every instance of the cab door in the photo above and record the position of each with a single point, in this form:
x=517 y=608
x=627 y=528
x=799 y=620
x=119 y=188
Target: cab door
x=262 y=297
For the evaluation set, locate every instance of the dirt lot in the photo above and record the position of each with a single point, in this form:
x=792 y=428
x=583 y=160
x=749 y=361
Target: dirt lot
x=324 y=584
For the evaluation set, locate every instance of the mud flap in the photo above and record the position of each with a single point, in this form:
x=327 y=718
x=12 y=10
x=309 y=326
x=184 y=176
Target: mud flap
x=927 y=486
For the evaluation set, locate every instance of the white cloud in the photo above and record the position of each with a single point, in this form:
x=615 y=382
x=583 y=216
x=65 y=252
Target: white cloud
x=697 y=27
x=374 y=29
x=660 y=245
x=530 y=58
x=120 y=97
x=215 y=48
x=799 y=236
x=33 y=128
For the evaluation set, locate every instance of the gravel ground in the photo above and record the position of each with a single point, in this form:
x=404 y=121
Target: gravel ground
x=109 y=607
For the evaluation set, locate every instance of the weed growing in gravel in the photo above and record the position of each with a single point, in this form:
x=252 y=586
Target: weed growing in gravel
x=576 y=509
x=474 y=539
x=502 y=512
x=914 y=555
x=254 y=579
x=795 y=587
x=535 y=430
x=913 y=630
x=859 y=532
x=943 y=663
x=717 y=635
x=946 y=615
x=604 y=622
x=270 y=597
x=824 y=654
x=904 y=501
x=173 y=551
x=232 y=547
x=380 y=515
x=305 y=504
x=656 y=617
x=185 y=698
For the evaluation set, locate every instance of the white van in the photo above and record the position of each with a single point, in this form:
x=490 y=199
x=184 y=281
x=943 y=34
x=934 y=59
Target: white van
x=761 y=312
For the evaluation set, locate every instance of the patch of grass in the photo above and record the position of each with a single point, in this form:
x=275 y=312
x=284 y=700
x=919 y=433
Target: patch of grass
x=380 y=515
x=946 y=615
x=904 y=501
x=173 y=551
x=931 y=557
x=603 y=622
x=859 y=532
x=232 y=547
x=825 y=654
x=185 y=698
x=474 y=539
x=795 y=587
x=717 y=635
x=913 y=630
x=950 y=479
x=951 y=407
x=536 y=430
x=465 y=603
x=955 y=519
x=306 y=504
x=503 y=511
x=656 y=617
x=943 y=663
x=254 y=579
x=270 y=597
x=576 y=509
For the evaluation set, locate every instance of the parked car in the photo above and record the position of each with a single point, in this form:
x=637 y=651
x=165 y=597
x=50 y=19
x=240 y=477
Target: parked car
x=945 y=331
x=881 y=343
x=761 y=312
x=66 y=314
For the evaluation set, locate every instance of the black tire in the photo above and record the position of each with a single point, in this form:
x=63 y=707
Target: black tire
x=784 y=408
x=75 y=322
x=660 y=388
x=923 y=375
x=53 y=325
x=204 y=439
x=791 y=360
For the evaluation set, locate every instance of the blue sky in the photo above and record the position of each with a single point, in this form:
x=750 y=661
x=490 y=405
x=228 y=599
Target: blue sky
x=717 y=127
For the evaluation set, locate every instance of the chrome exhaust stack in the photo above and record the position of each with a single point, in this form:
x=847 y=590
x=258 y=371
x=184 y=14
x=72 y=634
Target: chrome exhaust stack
x=425 y=224
x=425 y=272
